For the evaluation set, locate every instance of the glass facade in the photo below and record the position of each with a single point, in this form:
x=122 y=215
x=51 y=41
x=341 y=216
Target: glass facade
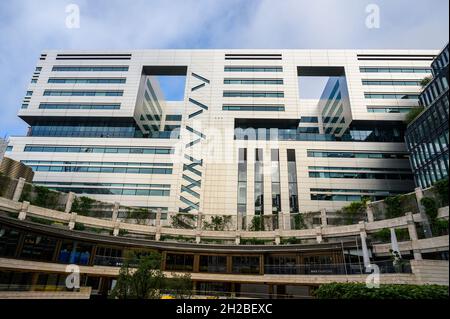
x=427 y=136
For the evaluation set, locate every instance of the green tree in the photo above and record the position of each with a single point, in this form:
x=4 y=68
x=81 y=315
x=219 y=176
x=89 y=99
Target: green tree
x=143 y=282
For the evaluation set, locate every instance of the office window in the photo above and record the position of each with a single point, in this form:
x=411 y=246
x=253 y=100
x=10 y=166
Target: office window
x=87 y=80
x=90 y=68
x=259 y=182
x=242 y=181
x=253 y=69
x=78 y=106
x=253 y=94
x=82 y=93
x=276 y=188
x=292 y=180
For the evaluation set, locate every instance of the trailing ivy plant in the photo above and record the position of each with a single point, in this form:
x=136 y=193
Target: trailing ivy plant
x=441 y=188
x=82 y=205
x=393 y=206
x=185 y=221
x=140 y=214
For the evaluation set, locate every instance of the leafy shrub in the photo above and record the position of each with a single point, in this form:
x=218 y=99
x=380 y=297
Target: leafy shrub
x=430 y=207
x=45 y=197
x=257 y=223
x=393 y=206
x=253 y=241
x=299 y=222
x=384 y=235
x=360 y=291
x=439 y=227
x=413 y=114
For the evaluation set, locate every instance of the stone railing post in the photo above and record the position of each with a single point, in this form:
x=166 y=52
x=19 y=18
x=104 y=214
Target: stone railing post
x=363 y=236
x=73 y=220
x=281 y=224
x=319 y=237
x=23 y=211
x=287 y=221
x=158 y=218
x=115 y=212
x=19 y=189
x=158 y=224
x=237 y=239
x=369 y=212
x=69 y=203
x=425 y=221
x=116 y=229
x=199 y=221
x=323 y=217
x=412 y=230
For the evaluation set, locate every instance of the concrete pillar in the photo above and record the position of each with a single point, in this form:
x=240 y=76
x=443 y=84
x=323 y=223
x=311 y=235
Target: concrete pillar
x=115 y=213
x=73 y=220
x=425 y=221
x=369 y=212
x=23 y=211
x=281 y=221
x=19 y=189
x=319 y=237
x=412 y=230
x=158 y=218
x=323 y=217
x=238 y=239
x=69 y=203
x=198 y=238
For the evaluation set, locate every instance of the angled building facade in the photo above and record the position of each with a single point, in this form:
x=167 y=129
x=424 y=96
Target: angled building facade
x=242 y=140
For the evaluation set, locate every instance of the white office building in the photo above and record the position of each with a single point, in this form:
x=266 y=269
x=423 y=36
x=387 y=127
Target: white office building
x=245 y=137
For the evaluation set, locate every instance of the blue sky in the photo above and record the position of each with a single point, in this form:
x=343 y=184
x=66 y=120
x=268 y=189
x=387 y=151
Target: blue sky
x=29 y=26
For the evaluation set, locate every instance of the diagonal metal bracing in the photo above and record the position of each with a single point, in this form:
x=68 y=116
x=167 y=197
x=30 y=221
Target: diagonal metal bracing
x=190 y=191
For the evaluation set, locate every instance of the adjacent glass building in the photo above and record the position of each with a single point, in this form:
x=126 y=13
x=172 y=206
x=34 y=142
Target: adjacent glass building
x=427 y=136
